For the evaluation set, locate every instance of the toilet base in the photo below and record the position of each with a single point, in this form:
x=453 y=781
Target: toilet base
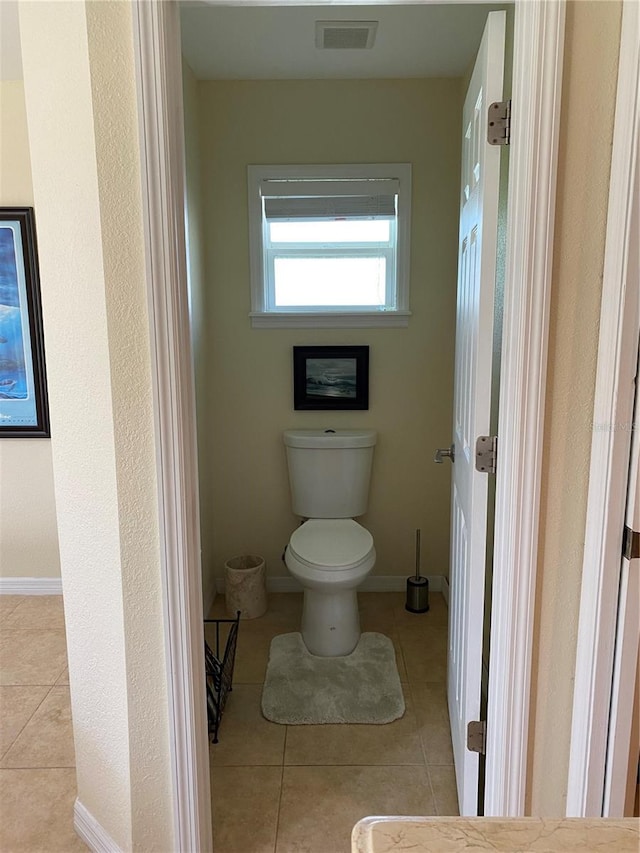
x=330 y=622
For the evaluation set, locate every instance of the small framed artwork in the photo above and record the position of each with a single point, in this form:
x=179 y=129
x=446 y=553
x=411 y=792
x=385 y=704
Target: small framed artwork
x=24 y=409
x=330 y=378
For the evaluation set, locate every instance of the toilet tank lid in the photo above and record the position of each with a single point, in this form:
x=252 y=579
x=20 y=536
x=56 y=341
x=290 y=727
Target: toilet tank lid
x=330 y=438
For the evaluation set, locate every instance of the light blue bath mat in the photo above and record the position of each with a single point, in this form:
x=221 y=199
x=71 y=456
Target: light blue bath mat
x=303 y=689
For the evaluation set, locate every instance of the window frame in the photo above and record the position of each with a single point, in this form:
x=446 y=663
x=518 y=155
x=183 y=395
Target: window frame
x=264 y=314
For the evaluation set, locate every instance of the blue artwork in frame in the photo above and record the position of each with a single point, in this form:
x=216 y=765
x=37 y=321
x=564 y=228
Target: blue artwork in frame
x=23 y=394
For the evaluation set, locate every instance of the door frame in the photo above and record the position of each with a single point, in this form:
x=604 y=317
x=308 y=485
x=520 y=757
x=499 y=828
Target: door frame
x=537 y=77
x=617 y=354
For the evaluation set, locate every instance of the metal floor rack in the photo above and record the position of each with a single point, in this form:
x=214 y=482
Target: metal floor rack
x=219 y=671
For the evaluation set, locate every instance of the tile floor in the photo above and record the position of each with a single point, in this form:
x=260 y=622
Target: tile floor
x=37 y=762
x=300 y=789
x=275 y=789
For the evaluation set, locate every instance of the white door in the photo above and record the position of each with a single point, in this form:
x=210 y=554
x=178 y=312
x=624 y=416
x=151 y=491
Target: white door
x=622 y=753
x=474 y=339
x=620 y=764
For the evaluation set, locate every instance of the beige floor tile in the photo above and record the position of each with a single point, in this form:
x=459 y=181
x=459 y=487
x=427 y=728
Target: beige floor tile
x=394 y=743
x=252 y=655
x=377 y=611
x=320 y=805
x=37 y=611
x=402 y=668
x=32 y=657
x=245 y=808
x=430 y=702
x=36 y=811
x=47 y=739
x=246 y=738
x=421 y=629
x=17 y=705
x=425 y=658
x=443 y=782
x=255 y=635
x=284 y=610
x=64 y=678
x=8 y=604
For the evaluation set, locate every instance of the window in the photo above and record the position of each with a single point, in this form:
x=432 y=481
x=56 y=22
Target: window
x=329 y=245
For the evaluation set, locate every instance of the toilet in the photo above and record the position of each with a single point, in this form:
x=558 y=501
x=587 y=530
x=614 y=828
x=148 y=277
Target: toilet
x=330 y=554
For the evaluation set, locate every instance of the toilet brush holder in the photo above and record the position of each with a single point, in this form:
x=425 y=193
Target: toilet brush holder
x=417 y=587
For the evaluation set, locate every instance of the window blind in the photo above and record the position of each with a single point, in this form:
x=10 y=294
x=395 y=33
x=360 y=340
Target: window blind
x=330 y=199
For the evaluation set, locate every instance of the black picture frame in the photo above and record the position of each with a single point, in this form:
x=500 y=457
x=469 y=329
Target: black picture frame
x=24 y=408
x=330 y=378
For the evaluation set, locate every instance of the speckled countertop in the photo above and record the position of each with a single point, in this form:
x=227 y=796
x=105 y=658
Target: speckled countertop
x=514 y=835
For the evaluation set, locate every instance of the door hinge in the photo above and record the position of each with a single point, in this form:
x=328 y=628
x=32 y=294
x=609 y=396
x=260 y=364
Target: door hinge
x=486 y=453
x=477 y=736
x=499 y=123
x=630 y=544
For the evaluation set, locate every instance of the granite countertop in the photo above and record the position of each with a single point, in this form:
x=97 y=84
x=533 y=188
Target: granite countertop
x=507 y=835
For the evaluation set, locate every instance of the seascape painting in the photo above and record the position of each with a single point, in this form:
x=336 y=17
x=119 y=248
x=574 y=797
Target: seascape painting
x=331 y=377
x=13 y=362
x=23 y=400
x=327 y=377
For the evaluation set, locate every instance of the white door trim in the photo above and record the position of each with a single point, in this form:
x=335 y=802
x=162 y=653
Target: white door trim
x=609 y=451
x=538 y=51
x=159 y=73
x=537 y=79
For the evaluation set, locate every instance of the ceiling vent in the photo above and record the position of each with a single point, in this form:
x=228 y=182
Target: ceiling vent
x=345 y=35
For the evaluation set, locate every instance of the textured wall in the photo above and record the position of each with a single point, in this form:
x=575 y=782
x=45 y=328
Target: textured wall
x=249 y=372
x=82 y=111
x=590 y=73
x=28 y=533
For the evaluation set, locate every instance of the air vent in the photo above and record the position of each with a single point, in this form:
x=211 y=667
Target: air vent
x=345 y=35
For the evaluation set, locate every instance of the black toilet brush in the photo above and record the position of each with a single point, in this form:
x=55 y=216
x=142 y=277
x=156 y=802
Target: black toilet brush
x=417 y=587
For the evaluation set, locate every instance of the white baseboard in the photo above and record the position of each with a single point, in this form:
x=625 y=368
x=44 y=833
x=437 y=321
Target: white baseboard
x=30 y=586
x=91 y=832
x=374 y=583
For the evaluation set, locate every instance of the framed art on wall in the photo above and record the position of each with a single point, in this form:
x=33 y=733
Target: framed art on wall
x=24 y=409
x=331 y=378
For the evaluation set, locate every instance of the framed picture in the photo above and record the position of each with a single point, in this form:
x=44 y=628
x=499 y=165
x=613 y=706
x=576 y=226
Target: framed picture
x=24 y=411
x=330 y=378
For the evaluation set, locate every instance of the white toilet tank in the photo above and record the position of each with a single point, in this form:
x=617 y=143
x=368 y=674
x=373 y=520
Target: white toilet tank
x=329 y=471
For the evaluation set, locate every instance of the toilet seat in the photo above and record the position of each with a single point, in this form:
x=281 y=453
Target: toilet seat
x=331 y=543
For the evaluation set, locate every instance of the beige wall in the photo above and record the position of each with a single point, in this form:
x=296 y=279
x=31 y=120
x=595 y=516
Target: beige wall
x=81 y=102
x=590 y=72
x=248 y=372
x=28 y=533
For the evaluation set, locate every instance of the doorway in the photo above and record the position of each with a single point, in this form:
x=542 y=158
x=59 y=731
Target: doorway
x=532 y=73
x=231 y=123
x=248 y=507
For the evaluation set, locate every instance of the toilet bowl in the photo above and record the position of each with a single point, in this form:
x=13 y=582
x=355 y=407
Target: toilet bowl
x=330 y=558
x=330 y=554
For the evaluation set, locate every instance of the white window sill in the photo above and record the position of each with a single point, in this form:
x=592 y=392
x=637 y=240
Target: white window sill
x=331 y=320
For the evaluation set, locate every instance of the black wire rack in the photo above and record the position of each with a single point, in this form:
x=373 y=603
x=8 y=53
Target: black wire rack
x=219 y=670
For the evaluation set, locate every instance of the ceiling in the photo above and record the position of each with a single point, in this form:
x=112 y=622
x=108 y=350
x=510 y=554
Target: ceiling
x=230 y=42
x=236 y=42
